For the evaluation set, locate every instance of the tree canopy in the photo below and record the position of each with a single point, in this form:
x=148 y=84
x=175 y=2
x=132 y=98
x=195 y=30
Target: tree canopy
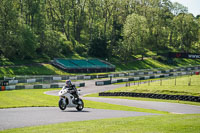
x=100 y=28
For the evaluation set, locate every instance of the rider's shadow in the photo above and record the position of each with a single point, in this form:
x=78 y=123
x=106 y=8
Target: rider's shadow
x=83 y=111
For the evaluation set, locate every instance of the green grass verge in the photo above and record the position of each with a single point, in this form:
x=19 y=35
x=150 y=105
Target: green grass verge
x=47 y=69
x=37 y=98
x=27 y=98
x=152 y=63
x=145 y=99
x=171 y=86
x=142 y=124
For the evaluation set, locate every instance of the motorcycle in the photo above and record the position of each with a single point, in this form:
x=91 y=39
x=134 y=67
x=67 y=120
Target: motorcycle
x=68 y=100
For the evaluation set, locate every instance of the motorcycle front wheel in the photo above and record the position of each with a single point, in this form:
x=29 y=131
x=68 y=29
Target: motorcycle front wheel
x=80 y=105
x=62 y=105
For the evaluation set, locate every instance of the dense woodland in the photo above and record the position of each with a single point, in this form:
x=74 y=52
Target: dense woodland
x=32 y=29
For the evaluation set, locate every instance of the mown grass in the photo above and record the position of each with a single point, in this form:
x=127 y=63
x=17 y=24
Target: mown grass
x=43 y=69
x=27 y=98
x=168 y=87
x=37 y=98
x=145 y=99
x=46 y=69
x=142 y=124
x=187 y=85
x=150 y=63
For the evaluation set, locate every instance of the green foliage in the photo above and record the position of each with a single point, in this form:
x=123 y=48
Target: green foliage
x=142 y=124
x=105 y=28
x=28 y=44
x=135 y=34
x=98 y=47
x=185 y=32
x=37 y=98
x=179 y=86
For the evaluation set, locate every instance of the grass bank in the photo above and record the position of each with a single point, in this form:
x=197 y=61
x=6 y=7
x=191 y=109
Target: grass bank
x=142 y=124
x=150 y=63
x=146 y=99
x=186 y=85
x=25 y=68
x=37 y=98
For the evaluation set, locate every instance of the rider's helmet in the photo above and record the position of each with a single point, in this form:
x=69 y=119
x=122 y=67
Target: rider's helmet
x=68 y=83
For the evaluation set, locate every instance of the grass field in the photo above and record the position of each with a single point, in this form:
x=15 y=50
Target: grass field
x=172 y=86
x=165 y=123
x=46 y=69
x=146 y=99
x=37 y=98
x=152 y=63
x=142 y=124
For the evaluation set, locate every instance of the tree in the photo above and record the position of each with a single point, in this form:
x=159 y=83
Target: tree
x=178 y=8
x=185 y=32
x=135 y=34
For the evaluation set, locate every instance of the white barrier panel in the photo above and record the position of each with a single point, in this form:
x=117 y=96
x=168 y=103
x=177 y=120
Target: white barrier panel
x=166 y=75
x=11 y=87
x=174 y=70
x=183 y=73
x=136 y=78
x=29 y=87
x=121 y=75
x=13 y=81
x=73 y=78
x=77 y=85
x=46 y=86
x=125 y=80
x=141 y=73
x=131 y=74
x=114 y=81
x=146 y=77
x=57 y=78
x=175 y=74
x=31 y=80
x=188 y=69
x=100 y=83
x=61 y=85
x=167 y=71
x=157 y=76
x=158 y=71
x=111 y=75
x=150 y=72
x=87 y=77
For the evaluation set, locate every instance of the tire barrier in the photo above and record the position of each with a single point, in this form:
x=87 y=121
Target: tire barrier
x=41 y=86
x=108 y=82
x=151 y=95
x=34 y=79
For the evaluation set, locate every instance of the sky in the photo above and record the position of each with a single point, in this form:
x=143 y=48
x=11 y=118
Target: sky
x=193 y=5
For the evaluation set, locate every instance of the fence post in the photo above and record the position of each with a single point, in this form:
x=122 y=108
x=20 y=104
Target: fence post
x=175 y=81
x=160 y=82
x=189 y=83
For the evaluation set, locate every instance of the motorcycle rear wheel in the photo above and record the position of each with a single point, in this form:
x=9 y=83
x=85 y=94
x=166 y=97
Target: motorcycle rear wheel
x=80 y=106
x=61 y=104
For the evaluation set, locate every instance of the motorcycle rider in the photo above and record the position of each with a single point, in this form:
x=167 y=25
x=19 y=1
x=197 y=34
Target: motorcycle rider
x=72 y=89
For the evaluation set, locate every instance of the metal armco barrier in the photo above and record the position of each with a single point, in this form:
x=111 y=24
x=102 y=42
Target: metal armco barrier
x=88 y=77
x=151 y=95
x=41 y=86
x=107 y=82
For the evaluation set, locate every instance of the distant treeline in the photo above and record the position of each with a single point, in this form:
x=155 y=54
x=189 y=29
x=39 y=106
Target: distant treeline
x=100 y=28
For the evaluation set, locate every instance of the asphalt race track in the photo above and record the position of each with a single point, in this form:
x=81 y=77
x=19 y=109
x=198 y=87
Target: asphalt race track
x=161 y=106
x=33 y=116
